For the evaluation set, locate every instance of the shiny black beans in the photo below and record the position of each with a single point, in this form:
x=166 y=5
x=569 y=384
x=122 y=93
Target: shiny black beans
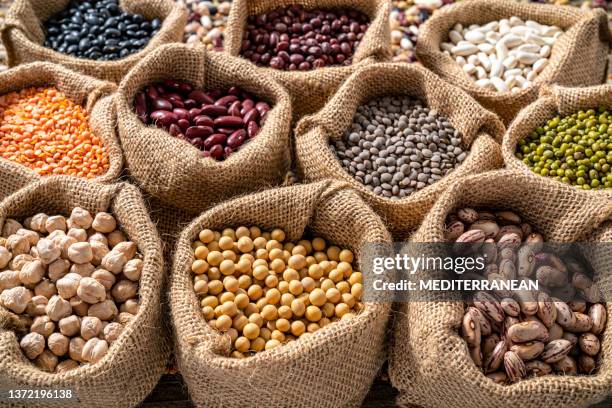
x=292 y=38
x=98 y=30
x=216 y=122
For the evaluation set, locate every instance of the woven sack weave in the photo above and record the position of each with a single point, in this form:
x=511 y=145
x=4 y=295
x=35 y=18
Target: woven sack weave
x=174 y=171
x=23 y=35
x=429 y=363
x=332 y=368
x=553 y=100
x=579 y=57
x=93 y=94
x=482 y=132
x=136 y=361
x=310 y=90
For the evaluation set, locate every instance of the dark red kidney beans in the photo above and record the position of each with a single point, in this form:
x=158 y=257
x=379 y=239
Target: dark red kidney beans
x=234 y=90
x=161 y=104
x=152 y=92
x=174 y=130
x=163 y=118
x=183 y=124
x=226 y=100
x=226 y=131
x=168 y=83
x=181 y=113
x=216 y=151
x=228 y=151
x=140 y=105
x=198 y=131
x=190 y=103
x=216 y=139
x=203 y=121
x=228 y=121
x=214 y=111
x=201 y=97
x=185 y=87
x=262 y=107
x=250 y=116
x=237 y=138
x=247 y=105
x=252 y=129
x=194 y=112
x=234 y=109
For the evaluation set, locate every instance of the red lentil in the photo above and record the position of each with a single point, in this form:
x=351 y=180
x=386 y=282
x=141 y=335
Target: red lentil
x=45 y=131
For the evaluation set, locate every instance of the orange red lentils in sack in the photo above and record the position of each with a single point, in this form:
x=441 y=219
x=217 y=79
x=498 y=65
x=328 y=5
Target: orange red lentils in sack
x=45 y=131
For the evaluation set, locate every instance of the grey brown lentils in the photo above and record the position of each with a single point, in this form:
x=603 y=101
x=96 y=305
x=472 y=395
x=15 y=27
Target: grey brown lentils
x=397 y=146
x=515 y=335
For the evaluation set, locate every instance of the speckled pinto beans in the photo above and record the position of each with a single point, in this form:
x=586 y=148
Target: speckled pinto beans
x=45 y=131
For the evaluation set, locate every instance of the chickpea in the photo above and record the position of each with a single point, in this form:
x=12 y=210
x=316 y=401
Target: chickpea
x=91 y=291
x=105 y=310
x=66 y=366
x=16 y=299
x=99 y=251
x=80 y=252
x=9 y=279
x=79 y=307
x=77 y=233
x=124 y=290
x=75 y=349
x=45 y=288
x=114 y=261
x=58 y=344
x=58 y=269
x=67 y=286
x=94 y=350
x=112 y=331
x=104 y=277
x=85 y=270
x=31 y=236
x=5 y=257
x=18 y=261
x=80 y=218
x=70 y=326
x=98 y=237
x=10 y=227
x=46 y=361
x=32 y=345
x=18 y=244
x=116 y=238
x=130 y=306
x=37 y=306
x=124 y=318
x=55 y=223
x=43 y=326
x=90 y=327
x=104 y=222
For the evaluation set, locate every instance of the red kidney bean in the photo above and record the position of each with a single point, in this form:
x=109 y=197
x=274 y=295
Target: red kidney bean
x=203 y=121
x=198 y=131
x=201 y=97
x=226 y=100
x=250 y=116
x=228 y=121
x=181 y=113
x=215 y=139
x=212 y=110
x=252 y=129
x=183 y=124
x=215 y=122
x=237 y=138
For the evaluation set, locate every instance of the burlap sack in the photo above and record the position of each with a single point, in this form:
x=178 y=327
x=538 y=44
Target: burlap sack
x=333 y=368
x=311 y=89
x=93 y=94
x=23 y=35
x=136 y=361
x=482 y=132
x=171 y=169
x=579 y=57
x=429 y=361
x=553 y=100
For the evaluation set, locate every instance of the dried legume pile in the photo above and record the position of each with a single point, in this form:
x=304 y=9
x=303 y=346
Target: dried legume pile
x=207 y=21
x=504 y=55
x=405 y=19
x=575 y=149
x=513 y=335
x=293 y=38
x=262 y=291
x=397 y=146
x=44 y=130
x=73 y=281
x=98 y=30
x=216 y=122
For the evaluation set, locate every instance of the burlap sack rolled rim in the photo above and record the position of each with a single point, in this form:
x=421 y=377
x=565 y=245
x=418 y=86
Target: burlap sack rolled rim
x=553 y=100
x=151 y=272
x=449 y=326
x=379 y=17
x=95 y=91
x=273 y=135
x=328 y=120
x=568 y=18
x=171 y=13
x=202 y=336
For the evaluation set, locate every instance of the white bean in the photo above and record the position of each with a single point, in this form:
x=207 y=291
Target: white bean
x=527 y=57
x=499 y=84
x=540 y=65
x=464 y=49
x=455 y=37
